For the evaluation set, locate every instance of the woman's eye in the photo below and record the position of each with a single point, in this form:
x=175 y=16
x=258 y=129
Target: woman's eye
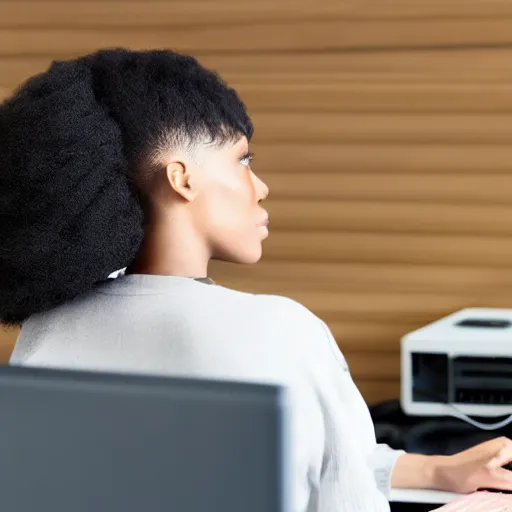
x=246 y=160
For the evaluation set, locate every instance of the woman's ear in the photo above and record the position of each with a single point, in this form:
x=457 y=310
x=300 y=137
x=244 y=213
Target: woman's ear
x=179 y=179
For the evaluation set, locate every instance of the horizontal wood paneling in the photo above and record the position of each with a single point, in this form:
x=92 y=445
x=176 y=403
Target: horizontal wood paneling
x=421 y=67
x=7 y=340
x=337 y=94
x=383 y=128
x=380 y=277
x=379 y=306
x=266 y=36
x=390 y=248
x=387 y=369
x=416 y=187
x=330 y=93
x=416 y=161
x=467 y=65
x=79 y=13
x=388 y=217
x=379 y=390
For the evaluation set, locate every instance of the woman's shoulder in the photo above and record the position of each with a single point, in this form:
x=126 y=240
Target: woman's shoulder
x=278 y=303
x=284 y=313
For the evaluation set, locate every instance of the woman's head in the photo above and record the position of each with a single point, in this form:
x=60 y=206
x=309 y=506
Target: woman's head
x=102 y=150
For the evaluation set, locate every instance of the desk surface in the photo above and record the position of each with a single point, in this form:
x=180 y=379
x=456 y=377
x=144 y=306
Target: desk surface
x=422 y=496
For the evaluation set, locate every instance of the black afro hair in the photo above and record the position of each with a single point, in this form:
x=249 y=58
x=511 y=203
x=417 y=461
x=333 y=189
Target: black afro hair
x=74 y=144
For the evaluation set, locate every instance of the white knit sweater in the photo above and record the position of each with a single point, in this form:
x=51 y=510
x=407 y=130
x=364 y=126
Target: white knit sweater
x=178 y=326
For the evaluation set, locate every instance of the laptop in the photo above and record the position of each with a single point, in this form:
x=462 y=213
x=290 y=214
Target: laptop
x=82 y=442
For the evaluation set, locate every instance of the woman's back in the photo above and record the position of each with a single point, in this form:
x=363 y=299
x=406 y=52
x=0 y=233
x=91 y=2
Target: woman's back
x=167 y=324
x=179 y=326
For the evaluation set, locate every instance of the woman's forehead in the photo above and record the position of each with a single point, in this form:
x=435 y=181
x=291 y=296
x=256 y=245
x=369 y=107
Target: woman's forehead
x=230 y=146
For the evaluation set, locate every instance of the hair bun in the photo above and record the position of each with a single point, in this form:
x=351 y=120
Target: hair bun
x=68 y=216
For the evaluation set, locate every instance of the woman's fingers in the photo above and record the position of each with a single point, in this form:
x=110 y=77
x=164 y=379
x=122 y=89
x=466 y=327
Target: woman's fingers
x=503 y=455
x=498 y=479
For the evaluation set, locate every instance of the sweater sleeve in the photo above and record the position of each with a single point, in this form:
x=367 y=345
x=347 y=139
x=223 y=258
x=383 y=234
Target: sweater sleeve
x=382 y=461
x=381 y=457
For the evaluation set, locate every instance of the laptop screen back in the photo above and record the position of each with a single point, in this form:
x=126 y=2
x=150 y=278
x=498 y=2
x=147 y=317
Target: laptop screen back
x=82 y=442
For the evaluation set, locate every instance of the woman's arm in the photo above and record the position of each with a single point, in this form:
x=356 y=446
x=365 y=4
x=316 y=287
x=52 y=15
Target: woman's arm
x=413 y=471
x=479 y=467
x=476 y=468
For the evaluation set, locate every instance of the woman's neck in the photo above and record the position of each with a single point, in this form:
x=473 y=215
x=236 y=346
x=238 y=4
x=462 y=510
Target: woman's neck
x=167 y=250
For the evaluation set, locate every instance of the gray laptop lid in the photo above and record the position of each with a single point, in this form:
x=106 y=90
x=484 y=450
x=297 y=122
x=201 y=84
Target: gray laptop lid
x=84 y=442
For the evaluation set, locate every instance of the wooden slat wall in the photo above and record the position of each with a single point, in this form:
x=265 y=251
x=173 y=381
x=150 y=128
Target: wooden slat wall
x=384 y=130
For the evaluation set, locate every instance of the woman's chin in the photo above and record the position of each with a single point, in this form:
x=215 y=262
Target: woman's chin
x=241 y=257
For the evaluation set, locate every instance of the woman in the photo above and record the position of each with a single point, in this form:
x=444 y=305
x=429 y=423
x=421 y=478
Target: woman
x=141 y=160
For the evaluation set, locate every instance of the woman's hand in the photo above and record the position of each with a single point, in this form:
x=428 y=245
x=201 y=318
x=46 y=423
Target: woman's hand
x=476 y=468
x=479 y=467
